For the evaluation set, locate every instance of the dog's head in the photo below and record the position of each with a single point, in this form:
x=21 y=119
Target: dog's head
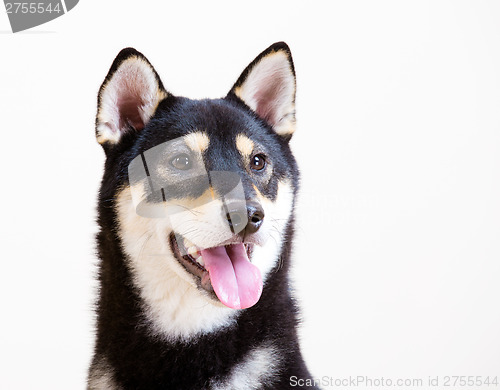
x=203 y=190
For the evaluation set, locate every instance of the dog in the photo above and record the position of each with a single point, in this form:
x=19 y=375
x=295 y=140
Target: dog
x=195 y=215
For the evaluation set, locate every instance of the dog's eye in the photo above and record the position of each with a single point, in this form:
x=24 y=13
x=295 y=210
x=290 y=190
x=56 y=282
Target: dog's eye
x=258 y=162
x=182 y=162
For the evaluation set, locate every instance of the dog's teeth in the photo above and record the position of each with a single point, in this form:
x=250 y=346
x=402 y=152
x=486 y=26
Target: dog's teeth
x=193 y=251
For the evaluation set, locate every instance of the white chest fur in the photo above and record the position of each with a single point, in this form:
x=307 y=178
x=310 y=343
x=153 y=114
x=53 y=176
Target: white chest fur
x=260 y=367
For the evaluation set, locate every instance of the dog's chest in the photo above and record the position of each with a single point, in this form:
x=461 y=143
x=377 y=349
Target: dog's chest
x=259 y=367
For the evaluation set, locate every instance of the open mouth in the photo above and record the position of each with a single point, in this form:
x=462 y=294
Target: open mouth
x=224 y=270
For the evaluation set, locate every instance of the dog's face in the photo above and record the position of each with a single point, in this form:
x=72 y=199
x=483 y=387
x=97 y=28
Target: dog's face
x=203 y=190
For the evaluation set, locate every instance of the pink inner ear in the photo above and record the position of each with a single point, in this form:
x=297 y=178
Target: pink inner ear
x=269 y=90
x=268 y=98
x=128 y=107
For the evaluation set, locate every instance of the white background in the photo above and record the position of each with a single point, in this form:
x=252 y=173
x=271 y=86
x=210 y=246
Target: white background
x=397 y=256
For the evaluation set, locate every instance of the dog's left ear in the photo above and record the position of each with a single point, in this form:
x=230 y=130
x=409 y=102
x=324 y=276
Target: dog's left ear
x=267 y=86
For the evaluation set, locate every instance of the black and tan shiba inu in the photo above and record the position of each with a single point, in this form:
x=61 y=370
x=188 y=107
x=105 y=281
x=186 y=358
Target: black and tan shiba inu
x=196 y=222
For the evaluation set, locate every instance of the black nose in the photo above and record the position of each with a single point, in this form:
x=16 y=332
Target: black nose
x=247 y=220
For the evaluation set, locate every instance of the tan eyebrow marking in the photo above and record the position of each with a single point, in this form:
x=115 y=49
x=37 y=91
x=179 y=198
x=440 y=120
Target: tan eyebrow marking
x=244 y=144
x=197 y=142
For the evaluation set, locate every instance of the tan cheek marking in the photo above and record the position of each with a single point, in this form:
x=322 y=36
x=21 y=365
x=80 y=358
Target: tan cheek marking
x=187 y=204
x=284 y=189
x=262 y=199
x=245 y=145
x=197 y=142
x=136 y=194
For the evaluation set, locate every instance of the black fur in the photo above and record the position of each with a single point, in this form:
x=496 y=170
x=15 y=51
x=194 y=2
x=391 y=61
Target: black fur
x=138 y=360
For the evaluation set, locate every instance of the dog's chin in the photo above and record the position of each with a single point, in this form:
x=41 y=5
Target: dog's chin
x=189 y=257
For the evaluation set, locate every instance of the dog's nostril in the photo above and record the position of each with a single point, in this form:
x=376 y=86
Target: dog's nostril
x=255 y=217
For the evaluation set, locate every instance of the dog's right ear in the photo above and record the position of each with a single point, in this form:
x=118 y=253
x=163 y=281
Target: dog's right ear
x=128 y=97
x=267 y=87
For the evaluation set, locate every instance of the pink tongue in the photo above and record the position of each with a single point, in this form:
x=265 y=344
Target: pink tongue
x=236 y=281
